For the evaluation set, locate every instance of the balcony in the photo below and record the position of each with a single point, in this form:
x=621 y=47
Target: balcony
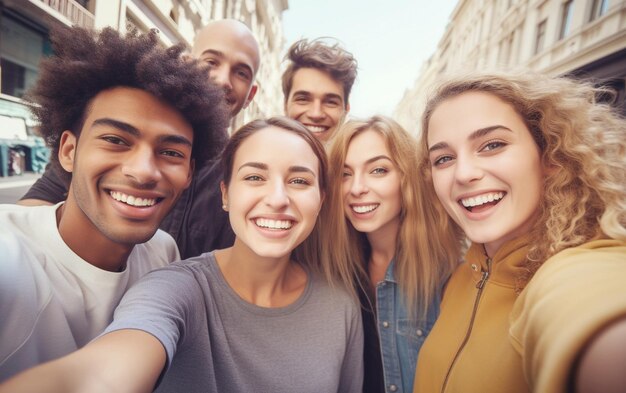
x=76 y=13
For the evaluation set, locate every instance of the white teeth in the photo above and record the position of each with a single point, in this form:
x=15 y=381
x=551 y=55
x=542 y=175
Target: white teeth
x=482 y=199
x=364 y=209
x=273 y=224
x=132 y=200
x=316 y=128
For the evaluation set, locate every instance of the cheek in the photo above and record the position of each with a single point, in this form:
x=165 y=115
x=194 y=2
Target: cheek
x=440 y=185
x=312 y=205
x=336 y=116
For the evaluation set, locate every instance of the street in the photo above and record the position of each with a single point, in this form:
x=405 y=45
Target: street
x=13 y=187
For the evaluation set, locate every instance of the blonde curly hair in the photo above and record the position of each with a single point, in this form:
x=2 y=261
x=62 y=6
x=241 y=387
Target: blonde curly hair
x=583 y=145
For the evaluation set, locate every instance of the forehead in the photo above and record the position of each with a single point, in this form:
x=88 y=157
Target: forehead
x=239 y=47
x=276 y=147
x=315 y=82
x=467 y=112
x=138 y=109
x=364 y=145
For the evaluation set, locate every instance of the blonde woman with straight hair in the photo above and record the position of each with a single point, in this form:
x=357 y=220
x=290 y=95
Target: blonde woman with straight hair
x=382 y=249
x=532 y=169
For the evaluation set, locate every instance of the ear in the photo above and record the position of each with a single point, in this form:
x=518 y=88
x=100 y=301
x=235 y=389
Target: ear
x=67 y=150
x=224 y=196
x=251 y=95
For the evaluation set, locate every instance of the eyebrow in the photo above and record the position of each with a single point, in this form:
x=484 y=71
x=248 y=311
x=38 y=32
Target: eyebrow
x=325 y=96
x=212 y=52
x=374 y=159
x=129 y=129
x=479 y=133
x=265 y=167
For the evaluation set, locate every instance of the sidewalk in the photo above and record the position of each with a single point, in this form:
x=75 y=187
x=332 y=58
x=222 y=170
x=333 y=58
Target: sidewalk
x=25 y=179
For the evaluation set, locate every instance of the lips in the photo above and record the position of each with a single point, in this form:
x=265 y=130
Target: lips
x=316 y=129
x=133 y=200
x=362 y=209
x=482 y=200
x=268 y=223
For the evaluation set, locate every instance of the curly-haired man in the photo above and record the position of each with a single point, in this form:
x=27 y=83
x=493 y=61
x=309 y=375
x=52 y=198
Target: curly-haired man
x=127 y=121
x=196 y=222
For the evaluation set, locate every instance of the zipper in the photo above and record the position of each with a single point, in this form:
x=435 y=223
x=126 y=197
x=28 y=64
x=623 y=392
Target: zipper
x=480 y=285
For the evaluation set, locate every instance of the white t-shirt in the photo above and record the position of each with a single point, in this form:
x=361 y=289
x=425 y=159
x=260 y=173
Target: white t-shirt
x=52 y=302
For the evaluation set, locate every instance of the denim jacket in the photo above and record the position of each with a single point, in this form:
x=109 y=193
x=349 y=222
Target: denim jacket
x=400 y=337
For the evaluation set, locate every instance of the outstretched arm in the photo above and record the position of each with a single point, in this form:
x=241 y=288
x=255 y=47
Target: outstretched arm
x=602 y=365
x=121 y=361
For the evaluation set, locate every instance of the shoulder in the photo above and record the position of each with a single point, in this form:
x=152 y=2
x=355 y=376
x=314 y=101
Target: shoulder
x=332 y=296
x=161 y=249
x=573 y=295
x=593 y=262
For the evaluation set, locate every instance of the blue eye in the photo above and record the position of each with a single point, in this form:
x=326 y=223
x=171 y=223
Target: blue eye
x=493 y=145
x=379 y=171
x=441 y=160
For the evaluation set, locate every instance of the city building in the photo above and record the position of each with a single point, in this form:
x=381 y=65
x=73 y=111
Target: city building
x=583 y=38
x=24 y=27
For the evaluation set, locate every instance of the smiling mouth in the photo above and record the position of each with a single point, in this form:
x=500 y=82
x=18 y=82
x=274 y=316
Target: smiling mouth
x=267 y=223
x=316 y=129
x=362 y=209
x=134 y=200
x=484 y=200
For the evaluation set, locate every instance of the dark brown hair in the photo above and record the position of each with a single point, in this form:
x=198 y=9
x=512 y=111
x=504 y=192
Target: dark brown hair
x=86 y=63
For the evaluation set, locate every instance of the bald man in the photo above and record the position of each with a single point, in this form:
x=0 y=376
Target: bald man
x=197 y=221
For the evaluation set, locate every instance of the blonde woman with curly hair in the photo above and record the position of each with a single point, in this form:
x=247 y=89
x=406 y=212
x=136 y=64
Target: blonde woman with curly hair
x=382 y=248
x=531 y=168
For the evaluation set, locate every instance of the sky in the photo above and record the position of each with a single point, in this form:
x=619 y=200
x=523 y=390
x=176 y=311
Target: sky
x=390 y=39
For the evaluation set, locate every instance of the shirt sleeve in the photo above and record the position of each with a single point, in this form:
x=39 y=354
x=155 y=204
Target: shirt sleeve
x=49 y=187
x=352 y=367
x=166 y=303
x=572 y=296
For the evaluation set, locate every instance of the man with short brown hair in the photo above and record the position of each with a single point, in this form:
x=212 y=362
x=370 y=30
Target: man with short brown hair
x=317 y=85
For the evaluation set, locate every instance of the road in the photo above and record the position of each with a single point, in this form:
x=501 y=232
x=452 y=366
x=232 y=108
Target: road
x=13 y=187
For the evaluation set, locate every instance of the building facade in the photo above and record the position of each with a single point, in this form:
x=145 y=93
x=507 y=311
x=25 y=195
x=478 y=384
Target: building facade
x=582 y=38
x=24 y=27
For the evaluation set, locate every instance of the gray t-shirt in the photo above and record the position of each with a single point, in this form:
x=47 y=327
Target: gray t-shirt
x=217 y=342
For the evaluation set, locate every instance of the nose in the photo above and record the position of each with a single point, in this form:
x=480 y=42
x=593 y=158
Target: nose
x=277 y=196
x=141 y=167
x=221 y=76
x=316 y=112
x=358 y=185
x=468 y=169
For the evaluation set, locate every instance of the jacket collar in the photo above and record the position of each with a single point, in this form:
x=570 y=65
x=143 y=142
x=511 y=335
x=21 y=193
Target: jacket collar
x=507 y=264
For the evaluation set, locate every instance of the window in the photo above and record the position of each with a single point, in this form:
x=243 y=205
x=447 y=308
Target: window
x=21 y=49
x=541 y=36
x=598 y=8
x=566 y=18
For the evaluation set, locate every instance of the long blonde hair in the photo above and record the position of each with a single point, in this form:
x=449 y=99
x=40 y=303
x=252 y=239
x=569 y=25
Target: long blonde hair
x=424 y=259
x=583 y=145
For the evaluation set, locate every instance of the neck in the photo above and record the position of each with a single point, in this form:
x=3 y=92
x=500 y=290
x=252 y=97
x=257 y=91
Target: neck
x=383 y=243
x=88 y=242
x=263 y=281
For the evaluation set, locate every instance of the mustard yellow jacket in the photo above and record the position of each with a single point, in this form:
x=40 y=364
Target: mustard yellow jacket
x=488 y=339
